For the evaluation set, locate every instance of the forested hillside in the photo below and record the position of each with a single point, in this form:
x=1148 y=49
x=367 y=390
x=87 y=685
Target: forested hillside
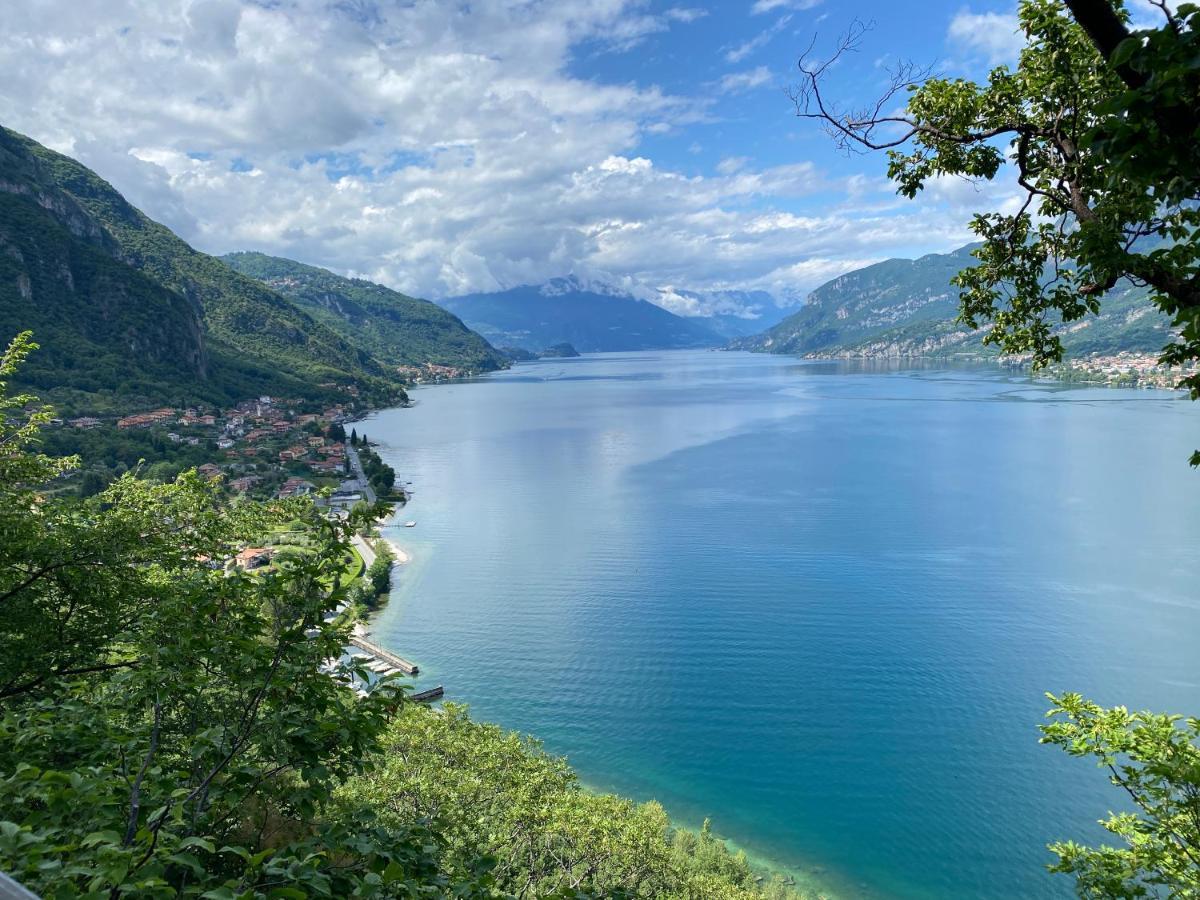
x=126 y=309
x=395 y=328
x=904 y=307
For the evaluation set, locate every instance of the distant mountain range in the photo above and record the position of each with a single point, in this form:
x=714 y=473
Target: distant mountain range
x=905 y=307
x=596 y=317
x=127 y=313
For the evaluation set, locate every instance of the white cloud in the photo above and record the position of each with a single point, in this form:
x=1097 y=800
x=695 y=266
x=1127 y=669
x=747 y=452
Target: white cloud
x=766 y=6
x=746 y=48
x=736 y=82
x=433 y=151
x=993 y=37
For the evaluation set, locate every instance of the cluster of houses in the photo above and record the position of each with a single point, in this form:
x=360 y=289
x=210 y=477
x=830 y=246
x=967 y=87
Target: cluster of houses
x=430 y=373
x=258 y=440
x=1126 y=369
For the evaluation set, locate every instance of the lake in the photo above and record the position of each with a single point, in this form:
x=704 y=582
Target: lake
x=819 y=603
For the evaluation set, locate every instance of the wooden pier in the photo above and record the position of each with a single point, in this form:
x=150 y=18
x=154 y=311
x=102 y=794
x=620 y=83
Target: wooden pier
x=384 y=655
x=434 y=693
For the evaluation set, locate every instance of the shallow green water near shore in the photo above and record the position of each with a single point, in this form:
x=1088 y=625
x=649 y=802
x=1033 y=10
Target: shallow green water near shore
x=817 y=604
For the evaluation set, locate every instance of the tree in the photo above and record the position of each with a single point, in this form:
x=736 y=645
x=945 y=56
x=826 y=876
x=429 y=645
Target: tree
x=494 y=794
x=353 y=437
x=166 y=727
x=1155 y=760
x=1098 y=125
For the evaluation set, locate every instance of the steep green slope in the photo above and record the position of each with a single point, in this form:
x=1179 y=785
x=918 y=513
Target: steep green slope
x=127 y=312
x=534 y=317
x=907 y=307
x=396 y=328
x=103 y=326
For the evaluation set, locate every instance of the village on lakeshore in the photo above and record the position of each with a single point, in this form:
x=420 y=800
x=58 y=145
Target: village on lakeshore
x=266 y=447
x=1123 y=369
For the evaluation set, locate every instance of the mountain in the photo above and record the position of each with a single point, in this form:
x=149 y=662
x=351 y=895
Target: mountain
x=583 y=314
x=127 y=313
x=395 y=328
x=905 y=307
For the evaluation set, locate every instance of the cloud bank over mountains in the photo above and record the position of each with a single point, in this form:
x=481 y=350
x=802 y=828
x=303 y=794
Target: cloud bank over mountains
x=442 y=148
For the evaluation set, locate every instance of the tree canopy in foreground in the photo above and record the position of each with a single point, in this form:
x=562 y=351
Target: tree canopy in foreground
x=169 y=726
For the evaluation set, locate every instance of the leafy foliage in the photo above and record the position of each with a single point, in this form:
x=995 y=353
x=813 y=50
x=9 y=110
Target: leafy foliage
x=1155 y=760
x=1100 y=125
x=165 y=727
x=380 y=475
x=493 y=794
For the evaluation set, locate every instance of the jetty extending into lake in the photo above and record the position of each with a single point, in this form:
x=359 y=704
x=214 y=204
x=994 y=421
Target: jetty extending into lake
x=384 y=655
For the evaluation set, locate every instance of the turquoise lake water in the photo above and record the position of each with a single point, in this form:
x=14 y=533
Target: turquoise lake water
x=817 y=603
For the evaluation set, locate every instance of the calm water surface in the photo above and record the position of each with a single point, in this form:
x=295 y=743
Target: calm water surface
x=818 y=605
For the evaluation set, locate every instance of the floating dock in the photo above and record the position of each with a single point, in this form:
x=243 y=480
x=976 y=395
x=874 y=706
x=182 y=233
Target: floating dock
x=434 y=693
x=385 y=656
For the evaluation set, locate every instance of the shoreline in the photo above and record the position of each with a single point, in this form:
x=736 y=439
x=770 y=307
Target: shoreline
x=401 y=556
x=810 y=882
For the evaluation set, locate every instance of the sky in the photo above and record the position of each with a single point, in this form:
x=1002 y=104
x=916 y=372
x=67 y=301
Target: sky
x=448 y=147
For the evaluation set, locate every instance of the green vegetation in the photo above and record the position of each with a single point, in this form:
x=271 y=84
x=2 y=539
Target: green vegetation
x=167 y=729
x=107 y=453
x=395 y=328
x=1155 y=760
x=1102 y=125
x=907 y=307
x=369 y=591
x=493 y=794
x=380 y=475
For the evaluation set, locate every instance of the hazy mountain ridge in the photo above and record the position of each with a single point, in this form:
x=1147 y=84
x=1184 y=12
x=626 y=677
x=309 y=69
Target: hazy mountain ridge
x=592 y=317
x=904 y=307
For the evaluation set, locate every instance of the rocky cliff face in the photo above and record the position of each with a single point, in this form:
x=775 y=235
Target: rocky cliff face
x=62 y=276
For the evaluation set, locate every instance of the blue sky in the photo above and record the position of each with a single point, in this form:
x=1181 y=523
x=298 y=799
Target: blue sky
x=444 y=147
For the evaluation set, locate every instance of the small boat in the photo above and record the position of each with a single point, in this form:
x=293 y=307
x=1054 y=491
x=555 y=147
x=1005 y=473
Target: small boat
x=410 y=524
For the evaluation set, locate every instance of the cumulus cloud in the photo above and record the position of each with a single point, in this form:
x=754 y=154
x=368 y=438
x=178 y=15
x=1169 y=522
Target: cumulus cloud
x=991 y=36
x=431 y=150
